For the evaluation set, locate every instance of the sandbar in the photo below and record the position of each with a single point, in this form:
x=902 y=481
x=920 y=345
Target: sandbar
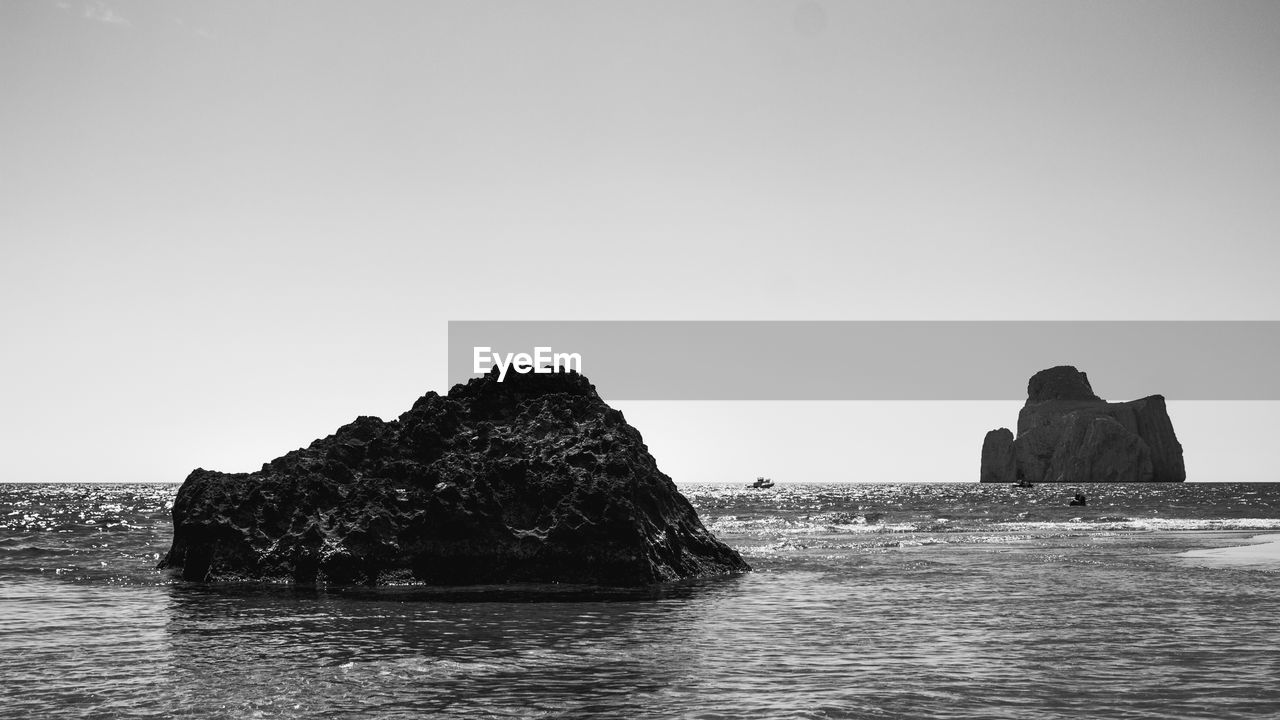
x=1265 y=551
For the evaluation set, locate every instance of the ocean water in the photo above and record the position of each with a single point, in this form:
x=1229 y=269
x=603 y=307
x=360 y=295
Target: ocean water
x=868 y=601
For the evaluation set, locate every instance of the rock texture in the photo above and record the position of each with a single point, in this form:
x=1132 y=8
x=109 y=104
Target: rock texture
x=1068 y=434
x=998 y=461
x=534 y=479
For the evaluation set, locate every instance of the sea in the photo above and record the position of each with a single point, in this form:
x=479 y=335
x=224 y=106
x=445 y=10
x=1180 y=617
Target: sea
x=867 y=601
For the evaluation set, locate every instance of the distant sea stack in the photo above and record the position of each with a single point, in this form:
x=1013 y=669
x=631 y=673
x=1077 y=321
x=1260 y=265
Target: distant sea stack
x=530 y=480
x=1068 y=434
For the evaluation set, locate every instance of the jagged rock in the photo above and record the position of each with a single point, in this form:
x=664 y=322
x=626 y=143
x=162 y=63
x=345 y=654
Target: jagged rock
x=1060 y=383
x=1066 y=433
x=534 y=479
x=998 y=462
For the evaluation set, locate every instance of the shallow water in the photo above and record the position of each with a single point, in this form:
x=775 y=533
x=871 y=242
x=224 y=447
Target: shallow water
x=868 y=601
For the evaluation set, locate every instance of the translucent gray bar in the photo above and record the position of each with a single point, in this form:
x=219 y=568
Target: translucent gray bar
x=892 y=360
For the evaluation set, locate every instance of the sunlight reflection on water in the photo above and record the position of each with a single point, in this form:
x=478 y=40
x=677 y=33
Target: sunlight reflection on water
x=979 y=624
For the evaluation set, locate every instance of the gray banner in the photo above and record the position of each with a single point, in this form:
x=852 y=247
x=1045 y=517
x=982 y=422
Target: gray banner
x=889 y=360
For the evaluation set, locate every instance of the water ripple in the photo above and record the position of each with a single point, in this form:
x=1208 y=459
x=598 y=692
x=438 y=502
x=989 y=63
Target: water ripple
x=1012 y=610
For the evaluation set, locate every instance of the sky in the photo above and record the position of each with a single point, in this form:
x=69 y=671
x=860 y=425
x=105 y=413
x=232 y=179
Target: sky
x=228 y=228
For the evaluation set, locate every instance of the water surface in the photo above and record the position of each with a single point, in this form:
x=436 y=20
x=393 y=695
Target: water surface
x=869 y=601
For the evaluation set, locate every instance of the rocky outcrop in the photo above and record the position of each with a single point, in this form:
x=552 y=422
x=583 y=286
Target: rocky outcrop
x=1066 y=433
x=530 y=480
x=998 y=461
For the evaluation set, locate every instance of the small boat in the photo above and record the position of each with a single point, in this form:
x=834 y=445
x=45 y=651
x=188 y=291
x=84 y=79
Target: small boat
x=761 y=483
x=1024 y=483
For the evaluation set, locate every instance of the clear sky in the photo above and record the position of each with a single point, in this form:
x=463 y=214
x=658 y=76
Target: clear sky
x=228 y=228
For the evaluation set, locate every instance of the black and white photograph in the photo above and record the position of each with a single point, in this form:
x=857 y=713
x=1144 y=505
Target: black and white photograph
x=630 y=359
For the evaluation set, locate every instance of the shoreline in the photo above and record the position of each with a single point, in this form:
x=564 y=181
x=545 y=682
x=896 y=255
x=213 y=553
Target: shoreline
x=1264 y=550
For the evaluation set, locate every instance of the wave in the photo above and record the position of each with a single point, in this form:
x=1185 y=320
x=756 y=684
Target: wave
x=1148 y=524
x=841 y=524
x=30 y=551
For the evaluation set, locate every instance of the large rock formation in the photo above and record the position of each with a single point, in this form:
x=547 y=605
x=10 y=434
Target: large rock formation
x=1066 y=433
x=534 y=479
x=999 y=463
